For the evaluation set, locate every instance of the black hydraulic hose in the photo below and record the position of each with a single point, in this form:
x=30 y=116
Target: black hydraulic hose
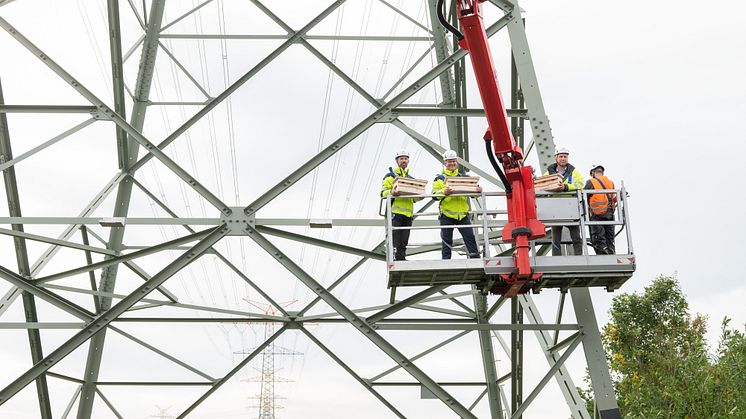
x=443 y=21
x=500 y=174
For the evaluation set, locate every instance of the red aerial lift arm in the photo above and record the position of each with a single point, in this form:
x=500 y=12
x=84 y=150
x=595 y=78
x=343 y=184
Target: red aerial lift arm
x=522 y=223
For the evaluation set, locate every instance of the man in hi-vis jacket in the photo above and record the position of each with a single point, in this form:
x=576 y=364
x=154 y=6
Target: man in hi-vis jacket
x=572 y=180
x=402 y=209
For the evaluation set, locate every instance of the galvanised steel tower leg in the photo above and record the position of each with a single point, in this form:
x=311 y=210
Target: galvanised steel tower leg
x=603 y=389
x=488 y=357
x=538 y=120
x=127 y=151
x=29 y=304
x=516 y=356
x=447 y=81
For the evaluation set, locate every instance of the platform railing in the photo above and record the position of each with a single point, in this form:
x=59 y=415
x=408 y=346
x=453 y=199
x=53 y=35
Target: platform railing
x=575 y=212
x=621 y=212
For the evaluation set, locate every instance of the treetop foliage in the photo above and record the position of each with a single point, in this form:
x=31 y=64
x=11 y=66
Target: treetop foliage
x=659 y=359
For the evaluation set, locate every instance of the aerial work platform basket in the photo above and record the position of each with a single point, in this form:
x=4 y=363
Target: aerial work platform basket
x=559 y=271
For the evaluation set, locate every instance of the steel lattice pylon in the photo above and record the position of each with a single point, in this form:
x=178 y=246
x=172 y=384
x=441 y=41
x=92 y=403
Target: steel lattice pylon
x=268 y=399
x=100 y=308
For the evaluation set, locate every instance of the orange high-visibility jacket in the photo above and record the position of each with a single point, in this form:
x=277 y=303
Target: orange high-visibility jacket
x=600 y=203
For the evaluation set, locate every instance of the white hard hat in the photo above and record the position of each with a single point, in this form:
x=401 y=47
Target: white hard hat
x=596 y=166
x=450 y=155
x=401 y=153
x=561 y=150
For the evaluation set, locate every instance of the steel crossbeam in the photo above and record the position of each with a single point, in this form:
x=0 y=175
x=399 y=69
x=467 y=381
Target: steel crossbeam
x=311 y=37
x=49 y=109
x=185 y=15
x=112 y=261
x=20 y=234
x=401 y=305
x=109 y=404
x=321 y=243
x=15 y=160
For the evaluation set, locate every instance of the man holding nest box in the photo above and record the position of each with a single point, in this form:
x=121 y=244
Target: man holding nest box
x=454 y=210
x=398 y=183
x=562 y=177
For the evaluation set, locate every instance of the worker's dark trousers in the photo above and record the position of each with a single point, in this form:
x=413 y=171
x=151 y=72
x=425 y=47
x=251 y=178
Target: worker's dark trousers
x=577 y=242
x=400 y=238
x=602 y=237
x=467 y=233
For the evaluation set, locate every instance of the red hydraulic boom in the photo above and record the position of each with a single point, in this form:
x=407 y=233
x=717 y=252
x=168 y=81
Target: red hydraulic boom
x=522 y=223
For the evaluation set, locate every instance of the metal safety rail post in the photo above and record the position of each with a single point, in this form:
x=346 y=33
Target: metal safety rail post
x=389 y=233
x=625 y=216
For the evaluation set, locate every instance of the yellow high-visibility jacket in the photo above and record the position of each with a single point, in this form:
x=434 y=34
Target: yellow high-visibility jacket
x=456 y=207
x=403 y=206
x=572 y=179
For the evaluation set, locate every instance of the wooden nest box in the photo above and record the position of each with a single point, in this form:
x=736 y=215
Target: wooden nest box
x=409 y=186
x=463 y=184
x=549 y=183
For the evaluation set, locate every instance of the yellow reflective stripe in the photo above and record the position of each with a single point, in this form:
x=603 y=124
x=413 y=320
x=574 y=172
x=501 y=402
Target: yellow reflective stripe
x=600 y=207
x=455 y=213
x=404 y=206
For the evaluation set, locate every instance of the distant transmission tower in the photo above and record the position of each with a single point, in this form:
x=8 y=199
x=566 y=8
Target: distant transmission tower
x=267 y=397
x=162 y=413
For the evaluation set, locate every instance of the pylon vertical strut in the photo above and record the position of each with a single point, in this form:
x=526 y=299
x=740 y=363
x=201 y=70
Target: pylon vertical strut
x=127 y=151
x=29 y=303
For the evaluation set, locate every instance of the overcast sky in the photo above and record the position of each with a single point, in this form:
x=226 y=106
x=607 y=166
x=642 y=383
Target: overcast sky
x=654 y=91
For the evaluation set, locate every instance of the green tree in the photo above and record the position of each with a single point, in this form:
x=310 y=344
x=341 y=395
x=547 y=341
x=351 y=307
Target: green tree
x=729 y=375
x=659 y=360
